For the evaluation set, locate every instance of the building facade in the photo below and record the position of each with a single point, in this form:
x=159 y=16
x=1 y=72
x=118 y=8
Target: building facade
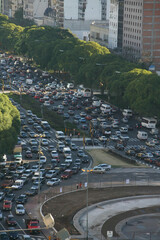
x=100 y=33
x=34 y=9
x=141 y=31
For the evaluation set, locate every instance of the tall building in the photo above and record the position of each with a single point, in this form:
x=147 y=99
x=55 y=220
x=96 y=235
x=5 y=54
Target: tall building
x=34 y=9
x=141 y=31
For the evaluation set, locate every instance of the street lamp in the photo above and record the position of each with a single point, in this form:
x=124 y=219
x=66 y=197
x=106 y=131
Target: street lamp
x=86 y=170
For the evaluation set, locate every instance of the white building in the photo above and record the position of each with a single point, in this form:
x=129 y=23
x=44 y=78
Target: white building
x=79 y=14
x=113 y=23
x=34 y=9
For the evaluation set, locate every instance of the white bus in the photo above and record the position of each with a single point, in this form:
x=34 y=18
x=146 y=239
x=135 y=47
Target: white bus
x=149 y=122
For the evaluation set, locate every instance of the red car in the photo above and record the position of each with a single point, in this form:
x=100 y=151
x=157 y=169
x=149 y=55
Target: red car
x=7 y=205
x=88 y=117
x=42 y=100
x=11 y=221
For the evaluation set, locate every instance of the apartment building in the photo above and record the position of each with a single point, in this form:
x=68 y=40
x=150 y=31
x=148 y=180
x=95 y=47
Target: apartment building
x=34 y=9
x=141 y=31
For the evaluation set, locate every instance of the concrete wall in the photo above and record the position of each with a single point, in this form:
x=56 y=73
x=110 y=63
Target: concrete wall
x=39 y=7
x=70 y=9
x=93 y=10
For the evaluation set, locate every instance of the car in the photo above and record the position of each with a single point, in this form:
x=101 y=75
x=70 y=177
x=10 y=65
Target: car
x=23 y=134
x=33 y=142
x=46 y=134
x=114 y=137
x=43 y=159
x=13 y=234
x=80 y=153
x=50 y=174
x=21 y=199
x=10 y=220
x=98 y=170
x=54 y=154
x=130 y=152
x=44 y=142
x=103 y=138
x=107 y=167
x=1 y=215
x=2 y=195
x=20 y=210
x=29 y=113
x=123 y=130
x=119 y=146
x=26 y=237
x=9 y=197
x=150 y=143
x=28 y=154
x=31 y=192
x=4 y=236
x=32 y=134
x=73 y=146
x=75 y=169
x=53 y=181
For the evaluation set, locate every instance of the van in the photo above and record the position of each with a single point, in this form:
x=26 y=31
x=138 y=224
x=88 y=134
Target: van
x=66 y=151
x=142 y=135
x=105 y=108
x=127 y=113
x=60 y=135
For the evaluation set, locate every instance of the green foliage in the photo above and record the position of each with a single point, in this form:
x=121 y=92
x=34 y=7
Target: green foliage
x=9 y=124
x=88 y=63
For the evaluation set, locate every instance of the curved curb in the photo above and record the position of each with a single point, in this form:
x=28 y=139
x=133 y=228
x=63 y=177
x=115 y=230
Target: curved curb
x=83 y=212
x=120 y=225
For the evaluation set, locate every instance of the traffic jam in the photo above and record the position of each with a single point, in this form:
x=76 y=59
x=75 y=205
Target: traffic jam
x=44 y=157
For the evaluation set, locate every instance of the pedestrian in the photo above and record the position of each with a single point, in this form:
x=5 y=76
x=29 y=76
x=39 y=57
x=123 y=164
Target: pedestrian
x=77 y=185
x=80 y=185
x=78 y=135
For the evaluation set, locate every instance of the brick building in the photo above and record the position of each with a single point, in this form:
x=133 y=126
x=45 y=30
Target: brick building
x=141 y=31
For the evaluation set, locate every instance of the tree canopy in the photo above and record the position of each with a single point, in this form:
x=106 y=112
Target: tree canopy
x=56 y=49
x=9 y=124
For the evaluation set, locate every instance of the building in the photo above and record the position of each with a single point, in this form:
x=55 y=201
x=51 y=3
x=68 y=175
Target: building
x=78 y=15
x=99 y=32
x=113 y=23
x=34 y=9
x=141 y=31
x=9 y=7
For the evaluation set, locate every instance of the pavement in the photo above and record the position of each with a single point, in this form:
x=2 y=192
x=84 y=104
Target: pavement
x=99 y=213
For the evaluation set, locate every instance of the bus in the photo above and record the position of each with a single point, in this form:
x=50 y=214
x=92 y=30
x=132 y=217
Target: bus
x=149 y=122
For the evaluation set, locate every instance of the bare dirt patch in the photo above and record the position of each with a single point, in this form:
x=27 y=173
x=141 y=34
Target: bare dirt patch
x=64 y=207
x=103 y=156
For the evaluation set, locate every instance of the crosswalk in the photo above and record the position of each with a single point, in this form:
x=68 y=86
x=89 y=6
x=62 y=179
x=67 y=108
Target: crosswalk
x=36 y=237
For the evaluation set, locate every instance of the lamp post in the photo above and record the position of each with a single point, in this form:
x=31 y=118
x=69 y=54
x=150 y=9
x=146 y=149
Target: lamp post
x=86 y=170
x=39 y=151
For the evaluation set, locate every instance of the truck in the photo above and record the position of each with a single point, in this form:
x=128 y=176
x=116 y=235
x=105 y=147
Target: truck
x=32 y=225
x=17 y=153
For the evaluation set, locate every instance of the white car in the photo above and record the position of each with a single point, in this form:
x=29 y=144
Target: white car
x=107 y=167
x=53 y=182
x=42 y=159
x=20 y=210
x=54 y=154
x=50 y=174
x=98 y=170
x=103 y=138
x=114 y=137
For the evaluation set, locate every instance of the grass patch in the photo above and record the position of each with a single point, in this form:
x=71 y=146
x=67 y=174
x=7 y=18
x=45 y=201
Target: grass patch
x=103 y=156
